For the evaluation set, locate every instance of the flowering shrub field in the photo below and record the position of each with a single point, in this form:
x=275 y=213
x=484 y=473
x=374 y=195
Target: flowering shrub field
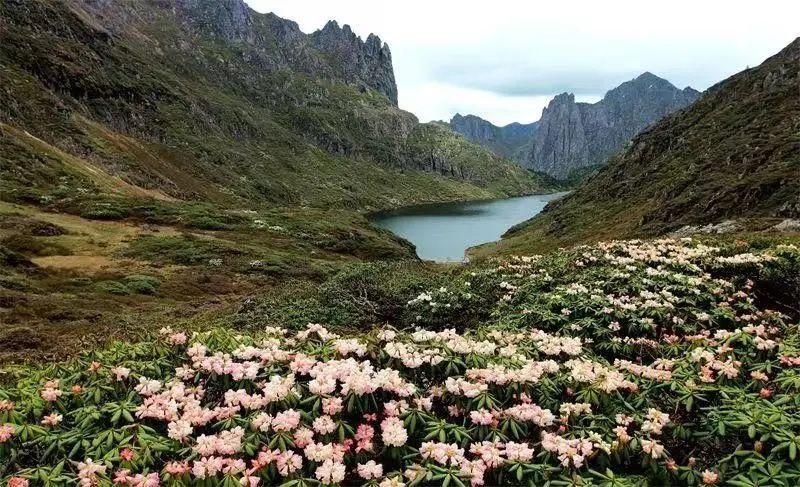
x=622 y=364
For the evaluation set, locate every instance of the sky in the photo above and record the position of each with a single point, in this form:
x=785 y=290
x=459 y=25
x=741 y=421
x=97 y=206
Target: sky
x=504 y=60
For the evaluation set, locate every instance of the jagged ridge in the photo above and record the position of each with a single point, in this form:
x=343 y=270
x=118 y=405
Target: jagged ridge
x=578 y=135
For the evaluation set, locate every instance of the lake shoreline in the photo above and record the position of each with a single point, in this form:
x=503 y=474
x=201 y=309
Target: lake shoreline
x=371 y=214
x=444 y=232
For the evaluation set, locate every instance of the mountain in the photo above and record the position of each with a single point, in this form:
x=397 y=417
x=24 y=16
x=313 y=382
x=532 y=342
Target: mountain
x=733 y=155
x=208 y=100
x=509 y=141
x=573 y=138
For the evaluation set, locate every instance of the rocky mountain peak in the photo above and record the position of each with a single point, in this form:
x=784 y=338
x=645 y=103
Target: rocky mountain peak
x=573 y=136
x=368 y=63
x=648 y=77
x=646 y=84
x=561 y=99
x=732 y=155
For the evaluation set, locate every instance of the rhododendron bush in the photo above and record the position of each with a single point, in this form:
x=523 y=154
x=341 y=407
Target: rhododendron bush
x=628 y=363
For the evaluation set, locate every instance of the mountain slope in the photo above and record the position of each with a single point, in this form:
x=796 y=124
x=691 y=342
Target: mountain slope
x=206 y=100
x=735 y=153
x=510 y=141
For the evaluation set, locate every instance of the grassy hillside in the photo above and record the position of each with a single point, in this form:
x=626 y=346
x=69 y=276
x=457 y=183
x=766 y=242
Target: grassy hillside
x=135 y=103
x=735 y=154
x=67 y=280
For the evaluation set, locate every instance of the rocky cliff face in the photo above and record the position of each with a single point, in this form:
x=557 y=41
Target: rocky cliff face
x=509 y=141
x=356 y=61
x=573 y=136
x=560 y=145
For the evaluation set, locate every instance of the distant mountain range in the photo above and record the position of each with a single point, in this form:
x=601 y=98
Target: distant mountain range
x=733 y=156
x=572 y=137
x=511 y=141
x=208 y=100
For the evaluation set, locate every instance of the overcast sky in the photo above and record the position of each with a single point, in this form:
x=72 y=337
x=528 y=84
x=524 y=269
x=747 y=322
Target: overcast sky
x=504 y=60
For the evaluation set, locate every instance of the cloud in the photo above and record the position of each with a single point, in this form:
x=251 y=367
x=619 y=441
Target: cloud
x=532 y=81
x=439 y=101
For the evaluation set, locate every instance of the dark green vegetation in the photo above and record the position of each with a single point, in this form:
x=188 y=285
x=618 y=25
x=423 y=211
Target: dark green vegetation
x=734 y=154
x=67 y=280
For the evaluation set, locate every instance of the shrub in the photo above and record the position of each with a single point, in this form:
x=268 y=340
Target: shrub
x=38 y=246
x=621 y=364
x=105 y=211
x=113 y=287
x=11 y=258
x=207 y=223
x=183 y=249
x=142 y=284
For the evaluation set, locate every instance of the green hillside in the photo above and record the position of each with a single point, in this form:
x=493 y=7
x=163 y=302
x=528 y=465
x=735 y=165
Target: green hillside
x=145 y=99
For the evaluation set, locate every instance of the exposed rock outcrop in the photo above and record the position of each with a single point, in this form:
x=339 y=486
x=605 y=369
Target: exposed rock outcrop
x=574 y=135
x=357 y=61
x=788 y=225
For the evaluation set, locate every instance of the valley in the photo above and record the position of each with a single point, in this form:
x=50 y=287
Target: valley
x=228 y=257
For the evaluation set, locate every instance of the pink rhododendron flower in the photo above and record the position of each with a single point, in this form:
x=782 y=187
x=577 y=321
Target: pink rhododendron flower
x=370 y=470
x=120 y=373
x=330 y=472
x=393 y=433
x=710 y=478
x=177 y=469
x=17 y=482
x=6 y=432
x=324 y=425
x=288 y=462
x=88 y=472
x=52 y=419
x=207 y=467
x=286 y=420
x=51 y=391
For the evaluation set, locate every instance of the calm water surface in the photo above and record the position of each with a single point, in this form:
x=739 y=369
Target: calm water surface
x=442 y=232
